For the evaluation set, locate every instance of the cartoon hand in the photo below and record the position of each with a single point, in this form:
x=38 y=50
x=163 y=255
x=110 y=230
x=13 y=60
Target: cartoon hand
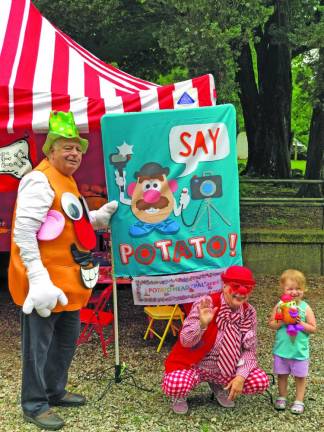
x=184 y=198
x=120 y=180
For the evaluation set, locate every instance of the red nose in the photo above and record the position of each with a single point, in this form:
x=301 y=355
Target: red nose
x=151 y=196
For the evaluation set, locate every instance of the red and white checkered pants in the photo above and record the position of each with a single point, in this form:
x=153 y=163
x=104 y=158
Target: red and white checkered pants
x=179 y=383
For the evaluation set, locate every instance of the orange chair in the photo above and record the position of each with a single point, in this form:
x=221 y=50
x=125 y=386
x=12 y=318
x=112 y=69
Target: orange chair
x=165 y=313
x=97 y=319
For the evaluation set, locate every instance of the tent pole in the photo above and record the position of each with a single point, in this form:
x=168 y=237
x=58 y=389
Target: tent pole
x=121 y=372
x=116 y=331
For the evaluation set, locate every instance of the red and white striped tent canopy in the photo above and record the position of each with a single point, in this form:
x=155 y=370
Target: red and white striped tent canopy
x=43 y=69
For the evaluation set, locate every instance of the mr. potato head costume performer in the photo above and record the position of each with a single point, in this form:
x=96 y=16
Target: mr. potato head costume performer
x=217 y=344
x=51 y=270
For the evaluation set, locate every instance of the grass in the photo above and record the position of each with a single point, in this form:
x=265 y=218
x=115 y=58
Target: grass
x=298 y=164
x=294 y=164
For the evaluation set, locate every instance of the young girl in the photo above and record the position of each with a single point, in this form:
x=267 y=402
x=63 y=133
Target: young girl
x=291 y=351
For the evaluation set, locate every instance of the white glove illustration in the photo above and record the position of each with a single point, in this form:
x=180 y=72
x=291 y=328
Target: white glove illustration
x=120 y=180
x=43 y=295
x=184 y=198
x=100 y=218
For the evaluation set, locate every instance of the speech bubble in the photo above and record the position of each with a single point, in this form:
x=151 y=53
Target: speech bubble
x=194 y=143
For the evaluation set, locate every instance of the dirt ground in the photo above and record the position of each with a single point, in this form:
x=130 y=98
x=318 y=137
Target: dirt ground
x=126 y=408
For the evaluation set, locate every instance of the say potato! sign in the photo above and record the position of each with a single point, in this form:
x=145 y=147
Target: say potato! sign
x=174 y=174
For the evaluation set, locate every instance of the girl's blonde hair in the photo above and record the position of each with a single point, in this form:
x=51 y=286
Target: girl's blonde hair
x=295 y=275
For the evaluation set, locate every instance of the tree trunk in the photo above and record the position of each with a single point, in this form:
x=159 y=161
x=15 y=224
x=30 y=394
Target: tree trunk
x=270 y=119
x=315 y=151
x=249 y=98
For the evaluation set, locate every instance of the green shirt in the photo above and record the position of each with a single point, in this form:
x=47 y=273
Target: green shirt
x=296 y=347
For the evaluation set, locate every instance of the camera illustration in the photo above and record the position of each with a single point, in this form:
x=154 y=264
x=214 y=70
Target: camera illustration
x=206 y=186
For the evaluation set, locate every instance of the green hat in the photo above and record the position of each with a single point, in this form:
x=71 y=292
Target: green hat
x=62 y=125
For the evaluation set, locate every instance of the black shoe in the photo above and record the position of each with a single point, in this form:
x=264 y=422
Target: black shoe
x=47 y=420
x=69 y=400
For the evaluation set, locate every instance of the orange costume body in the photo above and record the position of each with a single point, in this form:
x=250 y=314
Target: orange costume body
x=55 y=254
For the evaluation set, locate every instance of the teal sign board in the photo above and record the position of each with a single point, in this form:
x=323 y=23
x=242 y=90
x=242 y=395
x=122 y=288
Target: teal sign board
x=174 y=174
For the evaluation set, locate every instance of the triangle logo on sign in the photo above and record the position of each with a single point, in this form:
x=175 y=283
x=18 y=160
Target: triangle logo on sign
x=185 y=99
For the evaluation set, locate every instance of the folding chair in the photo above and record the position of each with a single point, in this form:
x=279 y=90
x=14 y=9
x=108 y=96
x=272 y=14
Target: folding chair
x=165 y=313
x=96 y=320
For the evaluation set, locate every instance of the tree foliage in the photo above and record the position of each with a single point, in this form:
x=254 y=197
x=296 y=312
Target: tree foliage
x=117 y=31
x=248 y=45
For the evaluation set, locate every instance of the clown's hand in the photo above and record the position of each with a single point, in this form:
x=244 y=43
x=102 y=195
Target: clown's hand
x=43 y=295
x=184 y=198
x=100 y=218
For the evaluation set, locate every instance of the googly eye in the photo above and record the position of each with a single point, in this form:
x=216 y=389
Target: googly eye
x=85 y=206
x=72 y=206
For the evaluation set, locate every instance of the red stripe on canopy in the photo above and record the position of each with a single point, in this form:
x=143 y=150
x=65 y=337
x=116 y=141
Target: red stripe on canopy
x=73 y=77
x=7 y=57
x=165 y=95
x=95 y=103
x=60 y=74
x=23 y=90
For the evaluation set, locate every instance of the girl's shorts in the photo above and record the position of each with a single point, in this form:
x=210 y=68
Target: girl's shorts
x=284 y=366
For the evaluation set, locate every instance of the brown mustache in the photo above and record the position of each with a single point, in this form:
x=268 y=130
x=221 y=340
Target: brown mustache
x=142 y=205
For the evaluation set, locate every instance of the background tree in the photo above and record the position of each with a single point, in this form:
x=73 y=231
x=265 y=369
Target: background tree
x=116 y=31
x=303 y=88
x=315 y=151
x=246 y=44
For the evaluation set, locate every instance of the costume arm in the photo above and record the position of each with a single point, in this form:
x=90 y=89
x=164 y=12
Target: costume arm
x=248 y=359
x=100 y=218
x=191 y=332
x=35 y=197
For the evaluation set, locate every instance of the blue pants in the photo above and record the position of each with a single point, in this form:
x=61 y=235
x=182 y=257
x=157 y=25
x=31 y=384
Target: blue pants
x=48 y=346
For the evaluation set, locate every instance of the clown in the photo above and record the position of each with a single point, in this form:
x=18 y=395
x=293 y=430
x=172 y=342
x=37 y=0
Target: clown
x=51 y=270
x=217 y=345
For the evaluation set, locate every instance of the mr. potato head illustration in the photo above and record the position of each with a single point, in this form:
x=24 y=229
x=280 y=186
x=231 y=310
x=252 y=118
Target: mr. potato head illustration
x=152 y=200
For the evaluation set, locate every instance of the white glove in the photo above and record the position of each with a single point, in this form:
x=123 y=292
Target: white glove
x=184 y=198
x=43 y=294
x=100 y=218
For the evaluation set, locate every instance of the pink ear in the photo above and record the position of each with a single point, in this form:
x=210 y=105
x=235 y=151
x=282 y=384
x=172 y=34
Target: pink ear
x=130 y=188
x=173 y=184
x=52 y=227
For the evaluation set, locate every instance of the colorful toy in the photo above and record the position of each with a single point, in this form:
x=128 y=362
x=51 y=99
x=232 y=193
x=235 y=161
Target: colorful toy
x=287 y=311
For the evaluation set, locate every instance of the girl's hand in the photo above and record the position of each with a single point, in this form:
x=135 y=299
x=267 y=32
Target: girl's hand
x=206 y=312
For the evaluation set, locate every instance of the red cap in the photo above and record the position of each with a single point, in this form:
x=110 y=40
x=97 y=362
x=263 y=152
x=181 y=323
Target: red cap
x=240 y=278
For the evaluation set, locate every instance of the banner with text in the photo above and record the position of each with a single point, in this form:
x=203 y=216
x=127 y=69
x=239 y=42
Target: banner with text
x=175 y=289
x=174 y=174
